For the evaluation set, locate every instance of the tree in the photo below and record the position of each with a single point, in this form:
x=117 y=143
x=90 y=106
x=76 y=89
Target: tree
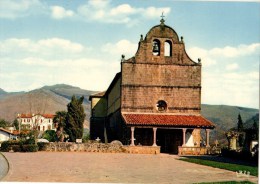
x=75 y=119
x=240 y=126
x=50 y=135
x=60 y=121
x=240 y=129
x=16 y=124
x=3 y=123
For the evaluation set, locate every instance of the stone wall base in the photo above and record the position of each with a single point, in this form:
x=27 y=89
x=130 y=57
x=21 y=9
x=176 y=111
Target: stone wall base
x=193 y=150
x=99 y=148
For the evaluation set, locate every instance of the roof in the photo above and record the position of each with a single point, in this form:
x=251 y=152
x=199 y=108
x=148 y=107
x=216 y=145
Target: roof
x=167 y=120
x=31 y=115
x=15 y=132
x=100 y=94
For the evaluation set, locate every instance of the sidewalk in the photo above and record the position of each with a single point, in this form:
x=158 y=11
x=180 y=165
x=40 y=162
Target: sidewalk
x=110 y=168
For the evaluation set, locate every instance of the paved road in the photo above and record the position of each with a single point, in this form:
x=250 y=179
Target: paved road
x=110 y=168
x=3 y=166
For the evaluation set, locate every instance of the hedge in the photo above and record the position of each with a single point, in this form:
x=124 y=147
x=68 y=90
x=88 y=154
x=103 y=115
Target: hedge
x=18 y=146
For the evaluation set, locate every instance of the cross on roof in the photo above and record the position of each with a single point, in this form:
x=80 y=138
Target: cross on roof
x=162 y=15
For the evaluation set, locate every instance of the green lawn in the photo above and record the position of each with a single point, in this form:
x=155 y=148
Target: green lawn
x=229 y=182
x=232 y=167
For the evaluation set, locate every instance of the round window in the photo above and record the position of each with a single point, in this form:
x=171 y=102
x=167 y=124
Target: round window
x=161 y=105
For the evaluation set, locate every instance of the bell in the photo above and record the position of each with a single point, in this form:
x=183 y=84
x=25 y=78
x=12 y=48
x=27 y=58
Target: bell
x=155 y=47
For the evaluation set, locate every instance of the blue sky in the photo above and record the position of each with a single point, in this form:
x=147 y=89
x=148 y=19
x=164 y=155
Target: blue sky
x=80 y=43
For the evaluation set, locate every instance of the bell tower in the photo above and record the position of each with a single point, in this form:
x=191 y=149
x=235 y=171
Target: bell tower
x=161 y=72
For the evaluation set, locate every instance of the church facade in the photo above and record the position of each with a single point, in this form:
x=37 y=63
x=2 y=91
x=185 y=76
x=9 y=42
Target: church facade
x=155 y=100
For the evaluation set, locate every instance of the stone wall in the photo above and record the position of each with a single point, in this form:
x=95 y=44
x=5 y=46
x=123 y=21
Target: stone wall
x=115 y=147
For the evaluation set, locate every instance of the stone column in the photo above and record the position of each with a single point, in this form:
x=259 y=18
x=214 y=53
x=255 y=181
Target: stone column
x=132 y=136
x=154 y=136
x=184 y=137
x=207 y=135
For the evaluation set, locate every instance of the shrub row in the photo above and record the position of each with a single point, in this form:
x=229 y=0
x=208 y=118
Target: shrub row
x=18 y=146
x=242 y=155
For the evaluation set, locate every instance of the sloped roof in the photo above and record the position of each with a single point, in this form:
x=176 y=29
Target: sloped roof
x=15 y=132
x=165 y=120
x=31 y=115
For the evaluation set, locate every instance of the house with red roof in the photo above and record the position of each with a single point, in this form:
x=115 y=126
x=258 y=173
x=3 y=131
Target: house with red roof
x=41 y=122
x=155 y=100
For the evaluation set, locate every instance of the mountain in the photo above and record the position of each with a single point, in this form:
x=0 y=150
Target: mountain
x=225 y=117
x=68 y=91
x=50 y=99
x=47 y=99
x=250 y=122
x=2 y=92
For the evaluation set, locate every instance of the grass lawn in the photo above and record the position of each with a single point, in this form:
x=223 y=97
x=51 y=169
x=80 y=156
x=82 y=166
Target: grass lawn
x=229 y=182
x=232 y=167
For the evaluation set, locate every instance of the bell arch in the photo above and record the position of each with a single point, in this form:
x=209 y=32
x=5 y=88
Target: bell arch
x=167 y=48
x=156 y=47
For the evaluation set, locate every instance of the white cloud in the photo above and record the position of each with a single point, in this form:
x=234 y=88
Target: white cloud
x=153 y=12
x=124 y=13
x=228 y=74
x=121 y=47
x=58 y=12
x=43 y=47
x=241 y=50
x=12 y=9
x=232 y=66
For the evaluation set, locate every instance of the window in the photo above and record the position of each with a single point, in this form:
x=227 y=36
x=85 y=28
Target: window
x=161 y=105
x=156 y=47
x=167 y=48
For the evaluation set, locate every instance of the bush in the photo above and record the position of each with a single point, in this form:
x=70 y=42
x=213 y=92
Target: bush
x=242 y=155
x=29 y=148
x=42 y=146
x=50 y=135
x=18 y=146
x=8 y=145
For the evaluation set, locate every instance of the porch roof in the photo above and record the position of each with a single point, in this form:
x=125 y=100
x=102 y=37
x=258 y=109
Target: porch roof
x=167 y=120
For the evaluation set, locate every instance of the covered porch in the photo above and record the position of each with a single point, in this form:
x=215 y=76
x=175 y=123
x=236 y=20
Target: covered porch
x=176 y=134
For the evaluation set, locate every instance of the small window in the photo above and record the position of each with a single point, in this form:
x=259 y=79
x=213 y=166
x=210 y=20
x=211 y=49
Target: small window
x=167 y=48
x=161 y=105
x=156 y=47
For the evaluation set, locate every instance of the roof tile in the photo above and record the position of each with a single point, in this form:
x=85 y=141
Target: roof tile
x=167 y=120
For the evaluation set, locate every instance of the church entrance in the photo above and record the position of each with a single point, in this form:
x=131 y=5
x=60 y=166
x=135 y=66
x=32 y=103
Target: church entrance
x=169 y=140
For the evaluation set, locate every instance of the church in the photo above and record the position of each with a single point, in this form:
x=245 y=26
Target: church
x=155 y=100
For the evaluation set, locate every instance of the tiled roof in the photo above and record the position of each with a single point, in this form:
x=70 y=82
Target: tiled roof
x=48 y=115
x=25 y=116
x=15 y=132
x=167 y=120
x=31 y=115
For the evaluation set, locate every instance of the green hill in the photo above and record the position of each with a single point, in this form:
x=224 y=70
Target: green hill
x=225 y=118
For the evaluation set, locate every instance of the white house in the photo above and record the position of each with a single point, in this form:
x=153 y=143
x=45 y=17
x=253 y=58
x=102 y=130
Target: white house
x=5 y=135
x=41 y=122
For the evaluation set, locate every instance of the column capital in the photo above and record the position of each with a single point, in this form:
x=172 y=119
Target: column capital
x=132 y=128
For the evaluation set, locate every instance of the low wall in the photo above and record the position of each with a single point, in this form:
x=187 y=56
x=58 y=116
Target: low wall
x=142 y=149
x=113 y=147
x=193 y=150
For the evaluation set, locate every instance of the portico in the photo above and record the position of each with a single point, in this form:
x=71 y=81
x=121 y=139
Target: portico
x=179 y=131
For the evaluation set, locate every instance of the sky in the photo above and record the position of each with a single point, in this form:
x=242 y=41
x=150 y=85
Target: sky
x=80 y=43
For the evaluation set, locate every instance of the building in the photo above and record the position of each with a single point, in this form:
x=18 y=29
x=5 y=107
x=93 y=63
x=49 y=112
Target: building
x=155 y=99
x=41 y=122
x=5 y=135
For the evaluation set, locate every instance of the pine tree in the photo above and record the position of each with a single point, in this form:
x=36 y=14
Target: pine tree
x=240 y=129
x=75 y=119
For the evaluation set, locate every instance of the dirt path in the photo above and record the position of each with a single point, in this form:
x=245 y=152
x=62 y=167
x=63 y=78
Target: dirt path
x=110 y=168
